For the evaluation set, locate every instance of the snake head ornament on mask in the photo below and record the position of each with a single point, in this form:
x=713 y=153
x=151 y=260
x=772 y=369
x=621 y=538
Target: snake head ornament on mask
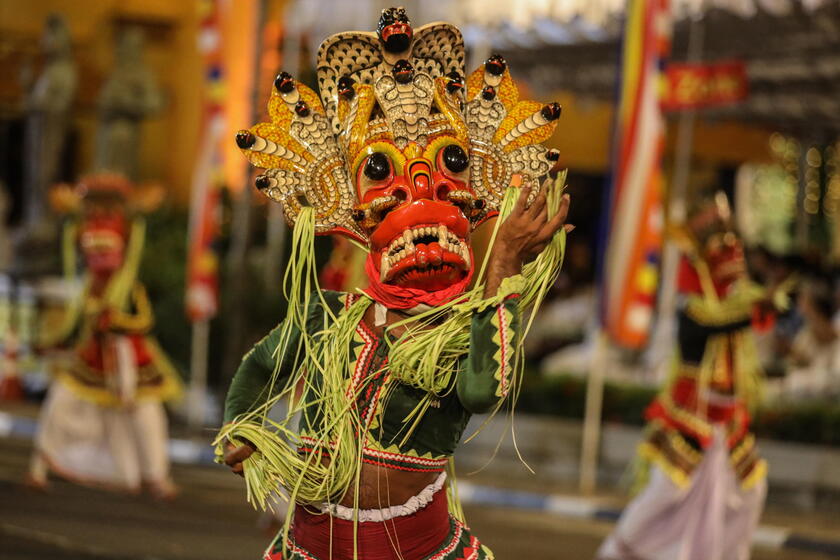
x=401 y=152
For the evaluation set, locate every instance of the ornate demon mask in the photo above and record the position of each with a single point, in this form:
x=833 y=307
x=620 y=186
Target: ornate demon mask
x=401 y=152
x=103 y=225
x=714 y=242
x=105 y=205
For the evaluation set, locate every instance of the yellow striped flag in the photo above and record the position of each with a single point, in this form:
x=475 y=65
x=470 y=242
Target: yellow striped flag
x=634 y=221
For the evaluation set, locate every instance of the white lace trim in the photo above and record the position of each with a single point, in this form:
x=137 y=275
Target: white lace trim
x=413 y=505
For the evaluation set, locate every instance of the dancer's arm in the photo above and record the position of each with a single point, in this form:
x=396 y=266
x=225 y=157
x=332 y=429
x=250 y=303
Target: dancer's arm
x=485 y=377
x=495 y=330
x=727 y=315
x=139 y=321
x=251 y=386
x=255 y=381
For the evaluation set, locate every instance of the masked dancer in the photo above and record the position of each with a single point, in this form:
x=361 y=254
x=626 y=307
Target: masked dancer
x=103 y=422
x=701 y=477
x=406 y=156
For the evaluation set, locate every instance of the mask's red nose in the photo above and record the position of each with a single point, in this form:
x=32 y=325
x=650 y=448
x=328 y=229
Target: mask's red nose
x=419 y=174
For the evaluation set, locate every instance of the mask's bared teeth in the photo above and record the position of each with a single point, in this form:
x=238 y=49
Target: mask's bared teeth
x=384 y=268
x=465 y=254
x=441 y=233
x=408 y=237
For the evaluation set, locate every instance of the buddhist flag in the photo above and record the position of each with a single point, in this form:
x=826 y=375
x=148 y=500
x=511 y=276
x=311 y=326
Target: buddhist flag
x=634 y=220
x=202 y=260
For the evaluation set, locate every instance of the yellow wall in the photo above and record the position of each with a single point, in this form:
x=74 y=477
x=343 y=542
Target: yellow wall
x=584 y=129
x=169 y=139
x=238 y=54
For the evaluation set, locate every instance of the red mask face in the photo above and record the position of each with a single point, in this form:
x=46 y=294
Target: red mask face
x=725 y=257
x=102 y=238
x=416 y=210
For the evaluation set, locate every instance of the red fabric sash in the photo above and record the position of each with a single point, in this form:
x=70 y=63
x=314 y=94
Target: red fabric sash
x=91 y=353
x=412 y=537
x=684 y=396
x=395 y=297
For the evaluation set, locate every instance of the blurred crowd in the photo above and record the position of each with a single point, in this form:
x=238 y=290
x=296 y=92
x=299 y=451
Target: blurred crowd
x=799 y=348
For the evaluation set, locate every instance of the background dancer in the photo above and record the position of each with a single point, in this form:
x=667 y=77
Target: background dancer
x=103 y=422
x=704 y=482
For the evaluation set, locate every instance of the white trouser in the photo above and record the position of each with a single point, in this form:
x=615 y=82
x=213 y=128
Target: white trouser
x=112 y=446
x=712 y=519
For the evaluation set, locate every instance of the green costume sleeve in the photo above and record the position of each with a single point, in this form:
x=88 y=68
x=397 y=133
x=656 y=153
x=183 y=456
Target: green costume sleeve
x=724 y=315
x=250 y=386
x=485 y=377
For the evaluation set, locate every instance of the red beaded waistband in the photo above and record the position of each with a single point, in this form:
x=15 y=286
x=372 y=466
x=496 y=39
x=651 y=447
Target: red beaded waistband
x=411 y=537
x=387 y=459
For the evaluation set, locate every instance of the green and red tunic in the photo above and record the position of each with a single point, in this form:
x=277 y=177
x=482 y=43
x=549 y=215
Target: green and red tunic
x=715 y=382
x=483 y=380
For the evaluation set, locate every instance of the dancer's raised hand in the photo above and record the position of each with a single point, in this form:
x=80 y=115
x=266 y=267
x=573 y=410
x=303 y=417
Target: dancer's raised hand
x=525 y=233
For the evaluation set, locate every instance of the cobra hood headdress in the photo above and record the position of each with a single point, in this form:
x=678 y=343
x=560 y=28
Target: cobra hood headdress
x=400 y=152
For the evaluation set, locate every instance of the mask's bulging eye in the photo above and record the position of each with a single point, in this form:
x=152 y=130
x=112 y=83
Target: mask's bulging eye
x=377 y=167
x=455 y=158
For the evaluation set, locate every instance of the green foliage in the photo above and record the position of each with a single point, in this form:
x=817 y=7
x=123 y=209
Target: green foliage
x=565 y=396
x=162 y=271
x=811 y=422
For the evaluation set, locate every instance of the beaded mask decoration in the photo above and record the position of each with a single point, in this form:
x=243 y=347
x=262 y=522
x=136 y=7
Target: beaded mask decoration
x=400 y=152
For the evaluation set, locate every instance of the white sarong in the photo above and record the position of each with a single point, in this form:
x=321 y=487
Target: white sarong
x=118 y=447
x=712 y=519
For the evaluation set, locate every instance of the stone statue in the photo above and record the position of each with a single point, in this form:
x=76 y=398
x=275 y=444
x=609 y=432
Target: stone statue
x=47 y=108
x=130 y=95
x=5 y=237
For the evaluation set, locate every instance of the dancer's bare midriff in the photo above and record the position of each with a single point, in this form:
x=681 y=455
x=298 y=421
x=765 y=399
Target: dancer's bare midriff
x=381 y=487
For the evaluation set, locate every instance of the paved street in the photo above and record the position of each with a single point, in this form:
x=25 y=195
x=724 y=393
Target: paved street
x=210 y=520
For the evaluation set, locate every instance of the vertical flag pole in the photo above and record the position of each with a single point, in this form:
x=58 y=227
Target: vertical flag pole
x=202 y=262
x=663 y=338
x=632 y=223
x=198 y=373
x=592 y=418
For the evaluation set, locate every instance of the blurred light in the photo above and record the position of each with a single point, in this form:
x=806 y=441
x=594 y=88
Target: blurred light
x=813 y=157
x=777 y=143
